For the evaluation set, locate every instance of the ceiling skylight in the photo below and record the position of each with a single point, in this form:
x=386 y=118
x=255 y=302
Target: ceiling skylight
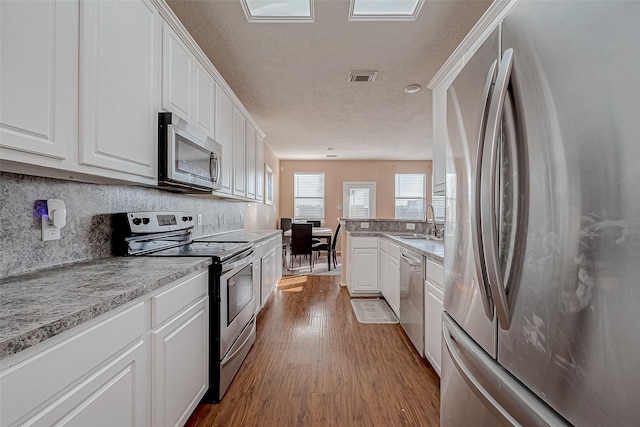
x=278 y=10
x=384 y=10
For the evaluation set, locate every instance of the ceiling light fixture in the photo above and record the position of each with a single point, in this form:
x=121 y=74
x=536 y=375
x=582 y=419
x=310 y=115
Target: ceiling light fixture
x=413 y=88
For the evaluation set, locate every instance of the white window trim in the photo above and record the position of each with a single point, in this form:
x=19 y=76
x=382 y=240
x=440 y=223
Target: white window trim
x=424 y=195
x=324 y=199
x=346 y=186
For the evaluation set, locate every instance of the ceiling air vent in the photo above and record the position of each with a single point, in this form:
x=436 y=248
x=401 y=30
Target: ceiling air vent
x=362 y=76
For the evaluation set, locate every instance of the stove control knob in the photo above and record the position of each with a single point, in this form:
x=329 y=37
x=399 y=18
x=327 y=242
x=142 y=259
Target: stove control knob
x=145 y=220
x=137 y=221
x=185 y=219
x=190 y=218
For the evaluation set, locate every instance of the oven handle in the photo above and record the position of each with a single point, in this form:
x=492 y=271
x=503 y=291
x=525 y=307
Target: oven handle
x=243 y=338
x=245 y=259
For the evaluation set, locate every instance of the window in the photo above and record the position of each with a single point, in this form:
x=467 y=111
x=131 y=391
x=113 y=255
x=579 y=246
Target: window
x=359 y=199
x=410 y=195
x=438 y=206
x=308 y=193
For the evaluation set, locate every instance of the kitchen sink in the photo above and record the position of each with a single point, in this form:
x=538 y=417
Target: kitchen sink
x=418 y=237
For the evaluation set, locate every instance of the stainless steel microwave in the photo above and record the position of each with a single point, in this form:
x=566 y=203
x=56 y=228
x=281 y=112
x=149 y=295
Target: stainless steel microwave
x=188 y=159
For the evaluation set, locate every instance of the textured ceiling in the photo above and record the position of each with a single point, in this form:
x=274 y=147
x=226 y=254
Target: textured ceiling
x=292 y=78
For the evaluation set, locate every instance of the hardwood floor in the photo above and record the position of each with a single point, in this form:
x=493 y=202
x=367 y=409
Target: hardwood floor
x=314 y=364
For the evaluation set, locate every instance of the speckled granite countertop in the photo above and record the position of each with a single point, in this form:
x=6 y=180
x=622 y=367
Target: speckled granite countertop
x=433 y=250
x=38 y=306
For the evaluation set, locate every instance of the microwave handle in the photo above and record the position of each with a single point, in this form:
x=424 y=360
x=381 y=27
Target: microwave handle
x=214 y=168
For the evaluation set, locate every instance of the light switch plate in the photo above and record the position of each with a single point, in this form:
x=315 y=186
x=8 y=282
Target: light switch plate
x=364 y=225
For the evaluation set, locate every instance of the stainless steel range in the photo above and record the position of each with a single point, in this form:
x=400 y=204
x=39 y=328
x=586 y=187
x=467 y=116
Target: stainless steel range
x=232 y=303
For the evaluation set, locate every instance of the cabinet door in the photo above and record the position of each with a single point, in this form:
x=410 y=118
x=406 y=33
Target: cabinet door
x=259 y=168
x=365 y=269
x=239 y=156
x=205 y=90
x=114 y=396
x=394 y=285
x=119 y=51
x=177 y=75
x=224 y=136
x=250 y=163
x=433 y=325
x=38 y=76
x=180 y=365
x=257 y=283
x=383 y=274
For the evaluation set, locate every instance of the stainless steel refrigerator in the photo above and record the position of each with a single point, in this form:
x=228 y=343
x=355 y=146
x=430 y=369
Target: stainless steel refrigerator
x=542 y=247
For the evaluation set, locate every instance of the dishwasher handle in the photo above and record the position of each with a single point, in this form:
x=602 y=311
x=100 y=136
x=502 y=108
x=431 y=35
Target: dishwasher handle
x=414 y=262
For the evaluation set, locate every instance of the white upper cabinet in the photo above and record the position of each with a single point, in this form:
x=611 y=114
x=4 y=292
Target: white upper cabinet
x=39 y=77
x=177 y=75
x=205 y=100
x=119 y=85
x=250 y=162
x=439 y=140
x=259 y=168
x=224 y=136
x=239 y=155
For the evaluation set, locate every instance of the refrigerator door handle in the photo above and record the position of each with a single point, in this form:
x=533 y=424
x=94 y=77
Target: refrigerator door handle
x=488 y=180
x=476 y=236
x=504 y=396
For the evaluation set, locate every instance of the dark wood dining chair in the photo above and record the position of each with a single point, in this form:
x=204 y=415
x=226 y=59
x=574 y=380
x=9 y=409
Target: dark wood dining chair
x=301 y=243
x=331 y=251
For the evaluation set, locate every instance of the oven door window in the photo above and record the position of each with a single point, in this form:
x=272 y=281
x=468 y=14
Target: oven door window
x=239 y=292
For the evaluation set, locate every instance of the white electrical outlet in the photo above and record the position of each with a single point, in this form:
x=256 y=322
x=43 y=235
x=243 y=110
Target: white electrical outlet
x=49 y=232
x=411 y=226
x=199 y=219
x=364 y=225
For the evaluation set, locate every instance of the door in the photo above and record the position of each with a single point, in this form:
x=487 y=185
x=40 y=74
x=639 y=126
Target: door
x=359 y=199
x=573 y=338
x=466 y=298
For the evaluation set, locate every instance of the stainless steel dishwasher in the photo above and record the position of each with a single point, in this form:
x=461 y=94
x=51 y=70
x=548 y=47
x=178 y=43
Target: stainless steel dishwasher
x=412 y=297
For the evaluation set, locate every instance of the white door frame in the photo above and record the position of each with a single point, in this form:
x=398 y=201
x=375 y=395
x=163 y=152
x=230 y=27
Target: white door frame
x=348 y=185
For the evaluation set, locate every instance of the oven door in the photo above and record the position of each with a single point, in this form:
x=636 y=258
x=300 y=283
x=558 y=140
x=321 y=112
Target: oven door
x=237 y=303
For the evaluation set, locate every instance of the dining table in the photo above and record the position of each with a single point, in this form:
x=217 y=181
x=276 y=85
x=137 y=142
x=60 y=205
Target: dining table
x=320 y=233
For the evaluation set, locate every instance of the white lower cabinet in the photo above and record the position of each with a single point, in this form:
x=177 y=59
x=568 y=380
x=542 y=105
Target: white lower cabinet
x=433 y=294
x=390 y=274
x=363 y=265
x=271 y=267
x=180 y=368
x=142 y=364
x=394 y=284
x=94 y=374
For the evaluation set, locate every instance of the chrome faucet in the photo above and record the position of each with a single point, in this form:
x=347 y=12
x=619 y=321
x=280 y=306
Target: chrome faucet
x=433 y=229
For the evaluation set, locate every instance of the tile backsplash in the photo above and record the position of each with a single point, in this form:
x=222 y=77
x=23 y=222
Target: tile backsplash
x=87 y=234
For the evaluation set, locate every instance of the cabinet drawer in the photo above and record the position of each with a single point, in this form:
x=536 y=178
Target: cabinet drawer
x=167 y=303
x=435 y=273
x=364 y=242
x=29 y=383
x=394 y=251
